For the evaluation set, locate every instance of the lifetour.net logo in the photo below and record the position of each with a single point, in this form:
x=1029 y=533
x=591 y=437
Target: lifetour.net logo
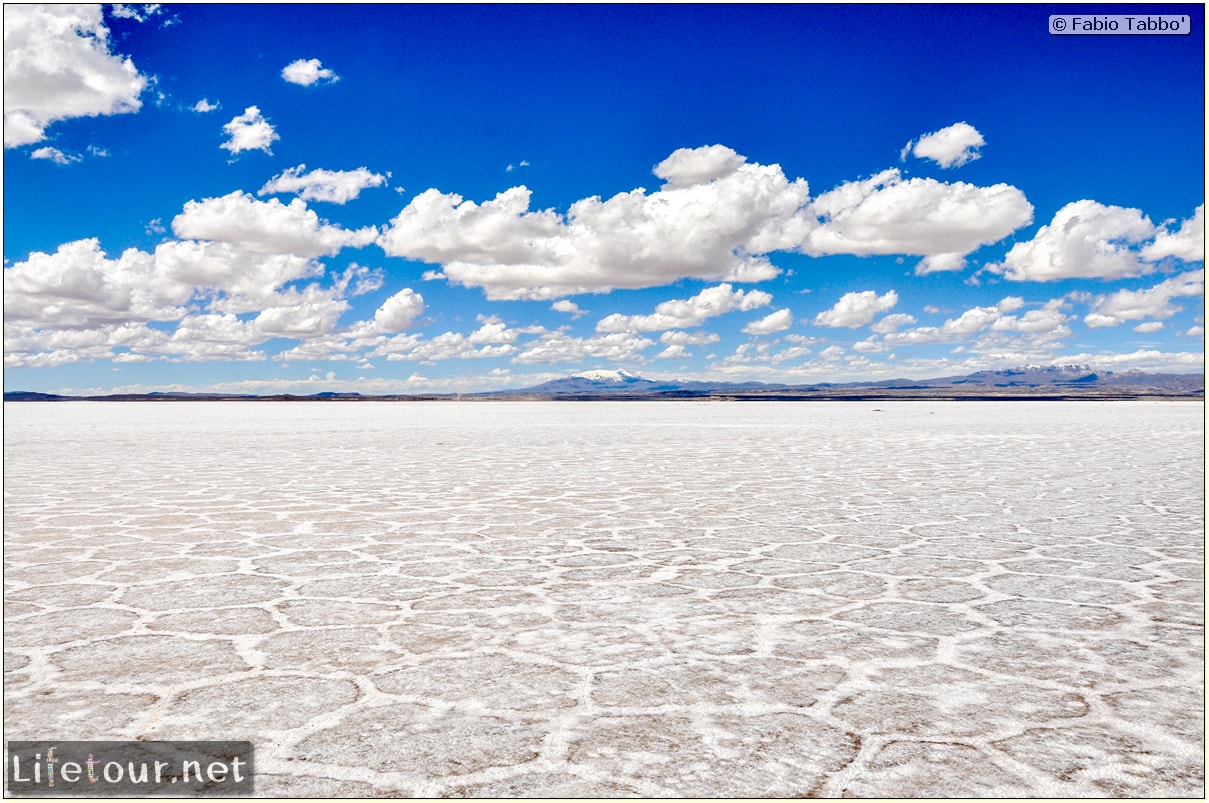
x=135 y=769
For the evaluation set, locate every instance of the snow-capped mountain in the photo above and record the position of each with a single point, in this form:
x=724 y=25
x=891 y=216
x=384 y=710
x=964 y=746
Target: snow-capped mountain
x=616 y=377
x=594 y=383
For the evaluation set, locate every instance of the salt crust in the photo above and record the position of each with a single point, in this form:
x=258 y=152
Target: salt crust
x=561 y=600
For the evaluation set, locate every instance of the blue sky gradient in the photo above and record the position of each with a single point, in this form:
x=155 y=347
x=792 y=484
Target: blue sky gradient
x=828 y=193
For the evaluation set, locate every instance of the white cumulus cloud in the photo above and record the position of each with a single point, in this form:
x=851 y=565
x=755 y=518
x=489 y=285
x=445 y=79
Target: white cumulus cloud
x=888 y=215
x=675 y=338
x=856 y=309
x=212 y=336
x=55 y=155
x=333 y=186
x=948 y=147
x=306 y=72
x=58 y=66
x=1153 y=303
x=1050 y=320
x=266 y=226
x=136 y=11
x=970 y=322
x=399 y=311
x=936 y=263
x=248 y=279
x=570 y=307
x=892 y=323
x=713 y=219
x=716 y=217
x=615 y=347
x=1036 y=326
x=219 y=299
x=309 y=313
x=778 y=321
x=1187 y=243
x=249 y=131
x=80 y=287
x=1086 y=239
x=685 y=313
x=687 y=167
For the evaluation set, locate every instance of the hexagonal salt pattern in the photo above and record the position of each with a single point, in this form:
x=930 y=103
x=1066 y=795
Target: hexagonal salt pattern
x=626 y=599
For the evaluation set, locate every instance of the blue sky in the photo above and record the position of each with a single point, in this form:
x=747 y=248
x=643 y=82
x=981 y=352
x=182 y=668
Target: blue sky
x=381 y=198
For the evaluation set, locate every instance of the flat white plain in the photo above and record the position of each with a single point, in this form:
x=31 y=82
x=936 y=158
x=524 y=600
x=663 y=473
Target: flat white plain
x=619 y=599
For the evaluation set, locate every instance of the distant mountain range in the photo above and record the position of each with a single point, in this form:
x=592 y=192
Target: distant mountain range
x=624 y=383
x=1025 y=382
x=1053 y=381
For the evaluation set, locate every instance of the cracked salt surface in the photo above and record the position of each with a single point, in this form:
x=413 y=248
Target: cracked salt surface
x=625 y=599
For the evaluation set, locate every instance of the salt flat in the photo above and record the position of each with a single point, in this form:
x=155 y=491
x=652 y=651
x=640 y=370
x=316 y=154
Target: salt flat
x=619 y=599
